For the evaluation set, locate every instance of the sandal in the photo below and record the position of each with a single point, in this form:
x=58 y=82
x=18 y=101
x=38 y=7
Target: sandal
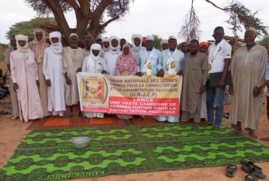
x=251 y=177
x=251 y=168
x=230 y=170
x=3 y=112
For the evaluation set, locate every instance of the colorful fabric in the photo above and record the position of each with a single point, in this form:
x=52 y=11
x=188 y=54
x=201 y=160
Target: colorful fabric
x=126 y=64
x=50 y=155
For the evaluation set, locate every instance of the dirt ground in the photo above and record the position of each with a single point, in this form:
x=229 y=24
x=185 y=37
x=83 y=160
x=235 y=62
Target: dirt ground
x=13 y=131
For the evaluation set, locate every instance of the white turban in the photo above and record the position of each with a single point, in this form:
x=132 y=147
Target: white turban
x=105 y=40
x=21 y=37
x=73 y=34
x=95 y=46
x=150 y=38
x=163 y=42
x=55 y=34
x=134 y=47
x=252 y=29
x=172 y=37
x=30 y=57
x=114 y=49
x=56 y=47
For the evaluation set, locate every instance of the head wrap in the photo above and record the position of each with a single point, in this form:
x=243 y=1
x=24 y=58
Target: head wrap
x=73 y=34
x=204 y=44
x=114 y=49
x=126 y=45
x=56 y=47
x=150 y=38
x=95 y=46
x=105 y=40
x=21 y=37
x=30 y=58
x=172 y=37
x=39 y=46
x=252 y=29
x=163 y=42
x=91 y=60
x=134 y=47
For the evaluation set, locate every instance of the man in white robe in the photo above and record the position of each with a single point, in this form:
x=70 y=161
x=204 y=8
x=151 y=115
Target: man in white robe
x=72 y=61
x=136 y=46
x=168 y=57
x=149 y=57
x=38 y=46
x=13 y=95
x=25 y=80
x=105 y=48
x=248 y=74
x=52 y=70
x=112 y=55
x=94 y=64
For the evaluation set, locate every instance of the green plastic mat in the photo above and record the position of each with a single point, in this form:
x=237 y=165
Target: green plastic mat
x=49 y=154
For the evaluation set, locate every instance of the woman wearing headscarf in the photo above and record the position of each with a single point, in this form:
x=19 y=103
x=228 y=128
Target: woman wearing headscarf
x=203 y=47
x=94 y=64
x=38 y=46
x=25 y=80
x=125 y=66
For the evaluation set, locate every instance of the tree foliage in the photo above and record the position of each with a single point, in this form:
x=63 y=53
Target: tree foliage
x=265 y=40
x=240 y=18
x=157 y=42
x=90 y=14
x=27 y=27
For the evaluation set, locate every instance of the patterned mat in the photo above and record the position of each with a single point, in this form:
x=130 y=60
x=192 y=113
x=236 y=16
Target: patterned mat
x=49 y=155
x=81 y=122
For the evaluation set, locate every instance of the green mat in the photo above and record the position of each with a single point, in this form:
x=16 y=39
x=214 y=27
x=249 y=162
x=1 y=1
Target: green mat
x=49 y=155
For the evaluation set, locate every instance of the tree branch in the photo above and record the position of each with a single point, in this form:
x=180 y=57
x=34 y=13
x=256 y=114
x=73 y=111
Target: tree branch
x=74 y=5
x=109 y=21
x=215 y=5
x=101 y=8
x=84 y=7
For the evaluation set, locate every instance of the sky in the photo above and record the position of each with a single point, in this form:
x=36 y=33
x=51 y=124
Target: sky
x=145 y=17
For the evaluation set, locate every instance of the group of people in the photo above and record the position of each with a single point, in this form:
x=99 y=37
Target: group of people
x=44 y=75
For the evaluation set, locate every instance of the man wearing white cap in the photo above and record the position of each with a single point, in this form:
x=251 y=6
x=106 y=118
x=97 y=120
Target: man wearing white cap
x=112 y=55
x=94 y=64
x=25 y=80
x=52 y=70
x=164 y=44
x=105 y=42
x=248 y=75
x=136 y=46
x=147 y=63
x=171 y=64
x=72 y=61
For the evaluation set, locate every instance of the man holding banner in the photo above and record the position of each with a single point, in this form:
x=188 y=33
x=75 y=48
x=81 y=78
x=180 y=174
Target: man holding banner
x=171 y=64
x=94 y=64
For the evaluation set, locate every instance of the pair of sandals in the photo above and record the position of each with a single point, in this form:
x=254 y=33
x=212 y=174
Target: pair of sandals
x=3 y=112
x=254 y=172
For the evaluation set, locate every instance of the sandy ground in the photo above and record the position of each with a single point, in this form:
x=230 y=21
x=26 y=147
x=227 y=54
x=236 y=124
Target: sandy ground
x=13 y=131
